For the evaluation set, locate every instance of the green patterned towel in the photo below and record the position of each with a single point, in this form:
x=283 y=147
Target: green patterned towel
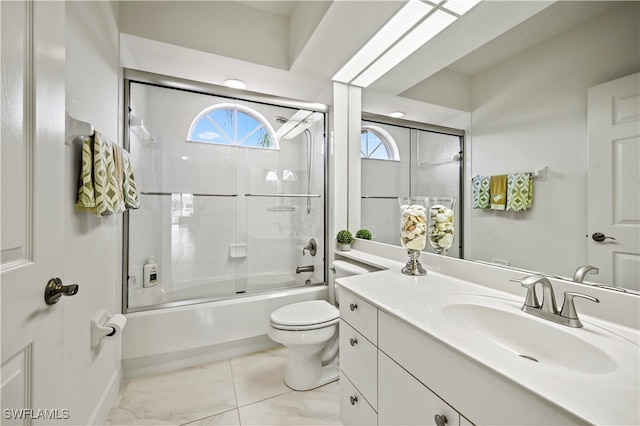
x=86 y=192
x=131 y=200
x=519 y=191
x=106 y=184
x=480 y=192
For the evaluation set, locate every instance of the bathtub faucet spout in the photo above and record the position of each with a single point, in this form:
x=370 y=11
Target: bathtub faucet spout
x=300 y=269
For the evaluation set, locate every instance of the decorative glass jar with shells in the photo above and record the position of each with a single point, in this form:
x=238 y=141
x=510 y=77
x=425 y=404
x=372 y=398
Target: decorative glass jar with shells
x=440 y=221
x=413 y=232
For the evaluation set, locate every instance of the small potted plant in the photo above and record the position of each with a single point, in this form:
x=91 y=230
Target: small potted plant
x=364 y=234
x=344 y=238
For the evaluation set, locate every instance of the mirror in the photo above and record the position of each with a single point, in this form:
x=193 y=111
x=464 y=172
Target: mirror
x=522 y=100
x=401 y=158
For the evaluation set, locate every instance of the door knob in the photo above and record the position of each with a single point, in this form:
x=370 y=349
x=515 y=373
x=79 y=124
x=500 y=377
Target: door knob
x=600 y=237
x=440 y=419
x=55 y=290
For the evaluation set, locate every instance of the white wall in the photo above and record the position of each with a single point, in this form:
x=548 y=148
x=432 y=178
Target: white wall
x=230 y=29
x=531 y=111
x=92 y=245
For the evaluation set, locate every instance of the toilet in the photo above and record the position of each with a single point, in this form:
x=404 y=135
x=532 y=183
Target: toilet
x=310 y=331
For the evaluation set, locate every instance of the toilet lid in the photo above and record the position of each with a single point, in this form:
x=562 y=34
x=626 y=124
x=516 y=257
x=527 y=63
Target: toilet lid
x=305 y=313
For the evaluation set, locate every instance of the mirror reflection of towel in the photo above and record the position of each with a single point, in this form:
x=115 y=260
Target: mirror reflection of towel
x=480 y=189
x=519 y=191
x=498 y=192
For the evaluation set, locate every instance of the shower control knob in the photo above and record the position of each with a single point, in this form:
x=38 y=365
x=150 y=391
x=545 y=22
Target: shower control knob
x=353 y=306
x=353 y=341
x=353 y=400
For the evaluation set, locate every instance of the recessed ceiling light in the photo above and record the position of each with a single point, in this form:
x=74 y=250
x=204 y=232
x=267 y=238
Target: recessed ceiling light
x=396 y=114
x=234 y=83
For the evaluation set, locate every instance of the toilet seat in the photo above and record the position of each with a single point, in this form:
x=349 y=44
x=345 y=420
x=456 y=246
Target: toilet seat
x=309 y=315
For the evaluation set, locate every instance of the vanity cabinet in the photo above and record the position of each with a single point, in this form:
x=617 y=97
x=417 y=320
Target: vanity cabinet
x=404 y=400
x=375 y=389
x=358 y=360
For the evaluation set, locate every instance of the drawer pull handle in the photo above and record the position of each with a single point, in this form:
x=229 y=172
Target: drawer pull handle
x=441 y=420
x=353 y=341
x=353 y=400
x=353 y=306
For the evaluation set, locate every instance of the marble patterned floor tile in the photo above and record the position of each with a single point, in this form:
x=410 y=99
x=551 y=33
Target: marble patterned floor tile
x=260 y=375
x=177 y=397
x=228 y=418
x=315 y=407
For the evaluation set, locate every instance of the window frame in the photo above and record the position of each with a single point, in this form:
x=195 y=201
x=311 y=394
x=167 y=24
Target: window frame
x=235 y=139
x=385 y=139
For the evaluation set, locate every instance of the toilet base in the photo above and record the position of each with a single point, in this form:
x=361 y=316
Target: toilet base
x=313 y=379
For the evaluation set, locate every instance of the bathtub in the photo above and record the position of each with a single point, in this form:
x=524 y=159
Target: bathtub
x=197 y=291
x=167 y=339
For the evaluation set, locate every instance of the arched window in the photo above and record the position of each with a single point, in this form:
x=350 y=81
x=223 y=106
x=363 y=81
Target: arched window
x=376 y=143
x=233 y=124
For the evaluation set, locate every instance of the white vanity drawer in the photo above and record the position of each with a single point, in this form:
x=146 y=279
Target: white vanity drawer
x=354 y=409
x=406 y=401
x=359 y=361
x=359 y=314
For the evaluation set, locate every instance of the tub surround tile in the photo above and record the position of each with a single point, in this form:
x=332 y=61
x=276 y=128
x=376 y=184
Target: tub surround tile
x=315 y=407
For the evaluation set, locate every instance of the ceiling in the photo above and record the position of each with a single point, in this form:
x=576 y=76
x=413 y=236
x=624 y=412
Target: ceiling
x=321 y=36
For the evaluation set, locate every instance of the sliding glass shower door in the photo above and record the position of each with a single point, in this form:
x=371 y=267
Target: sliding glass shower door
x=231 y=191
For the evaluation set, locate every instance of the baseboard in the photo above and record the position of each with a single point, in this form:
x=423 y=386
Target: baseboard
x=107 y=400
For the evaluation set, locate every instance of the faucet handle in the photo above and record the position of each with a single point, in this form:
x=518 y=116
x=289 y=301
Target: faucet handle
x=569 y=308
x=531 y=299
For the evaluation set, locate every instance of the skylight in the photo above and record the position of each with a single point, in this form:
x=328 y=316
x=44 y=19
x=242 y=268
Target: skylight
x=409 y=29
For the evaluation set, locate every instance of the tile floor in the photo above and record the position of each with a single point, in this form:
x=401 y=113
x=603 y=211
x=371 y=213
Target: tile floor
x=246 y=390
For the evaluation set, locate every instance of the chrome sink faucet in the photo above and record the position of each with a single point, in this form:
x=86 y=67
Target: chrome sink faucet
x=584 y=270
x=548 y=309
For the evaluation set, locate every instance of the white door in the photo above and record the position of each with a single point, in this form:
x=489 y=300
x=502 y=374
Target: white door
x=32 y=221
x=614 y=182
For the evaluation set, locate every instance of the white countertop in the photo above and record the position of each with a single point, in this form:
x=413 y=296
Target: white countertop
x=608 y=397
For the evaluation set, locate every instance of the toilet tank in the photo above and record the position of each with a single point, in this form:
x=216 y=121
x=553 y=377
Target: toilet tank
x=344 y=269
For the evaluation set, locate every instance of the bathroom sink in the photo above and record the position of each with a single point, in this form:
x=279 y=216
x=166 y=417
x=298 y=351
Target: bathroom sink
x=500 y=323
